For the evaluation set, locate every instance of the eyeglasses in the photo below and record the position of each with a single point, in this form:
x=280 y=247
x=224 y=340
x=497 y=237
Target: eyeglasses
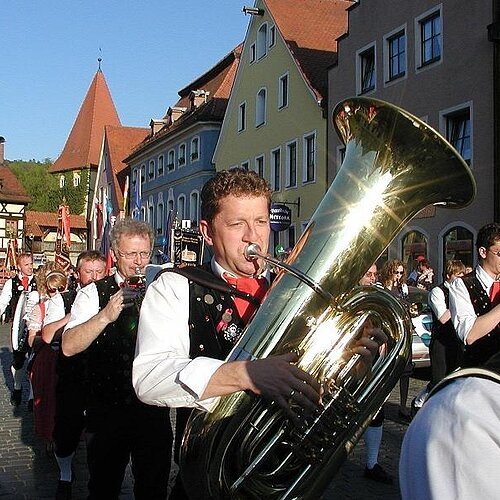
x=54 y=290
x=369 y=274
x=494 y=253
x=134 y=255
x=399 y=272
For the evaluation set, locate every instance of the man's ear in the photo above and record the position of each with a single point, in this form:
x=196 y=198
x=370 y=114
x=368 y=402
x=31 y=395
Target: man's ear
x=113 y=256
x=482 y=251
x=206 y=232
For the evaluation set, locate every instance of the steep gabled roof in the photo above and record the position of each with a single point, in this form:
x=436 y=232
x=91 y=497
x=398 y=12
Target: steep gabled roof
x=37 y=223
x=218 y=82
x=83 y=146
x=310 y=29
x=121 y=141
x=11 y=190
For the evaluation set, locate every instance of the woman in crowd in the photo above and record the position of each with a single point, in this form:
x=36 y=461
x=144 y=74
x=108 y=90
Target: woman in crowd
x=50 y=283
x=393 y=278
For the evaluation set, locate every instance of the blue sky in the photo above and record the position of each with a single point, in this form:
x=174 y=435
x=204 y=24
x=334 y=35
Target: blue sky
x=150 y=49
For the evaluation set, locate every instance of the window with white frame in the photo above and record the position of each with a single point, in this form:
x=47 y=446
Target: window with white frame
x=76 y=179
x=181 y=207
x=62 y=181
x=262 y=41
x=283 y=91
x=366 y=75
x=252 y=53
x=160 y=165
x=242 y=117
x=171 y=160
x=291 y=164
x=170 y=205
x=195 y=149
x=245 y=165
x=143 y=174
x=259 y=165
x=428 y=38
x=276 y=169
x=458 y=131
x=309 y=152
x=396 y=55
x=151 y=213
x=143 y=214
x=194 y=207
x=182 y=155
x=151 y=171
x=160 y=217
x=272 y=36
x=260 y=107
x=134 y=178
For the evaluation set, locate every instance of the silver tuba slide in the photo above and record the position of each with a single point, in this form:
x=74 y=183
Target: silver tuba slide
x=395 y=165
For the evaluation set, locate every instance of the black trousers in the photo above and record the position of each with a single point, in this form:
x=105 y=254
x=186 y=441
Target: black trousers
x=446 y=354
x=142 y=433
x=18 y=359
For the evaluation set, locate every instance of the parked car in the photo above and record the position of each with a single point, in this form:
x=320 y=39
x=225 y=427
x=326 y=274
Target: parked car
x=421 y=318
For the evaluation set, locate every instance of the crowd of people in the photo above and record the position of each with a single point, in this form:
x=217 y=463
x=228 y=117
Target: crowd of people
x=108 y=361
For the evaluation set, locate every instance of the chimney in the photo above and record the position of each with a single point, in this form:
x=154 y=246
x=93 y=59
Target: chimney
x=2 y=150
x=197 y=97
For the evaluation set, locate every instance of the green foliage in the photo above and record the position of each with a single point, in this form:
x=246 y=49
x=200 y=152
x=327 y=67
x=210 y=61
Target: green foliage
x=43 y=187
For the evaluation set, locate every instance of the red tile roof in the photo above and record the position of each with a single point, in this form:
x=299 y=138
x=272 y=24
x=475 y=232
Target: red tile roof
x=11 y=190
x=38 y=222
x=83 y=146
x=121 y=141
x=310 y=29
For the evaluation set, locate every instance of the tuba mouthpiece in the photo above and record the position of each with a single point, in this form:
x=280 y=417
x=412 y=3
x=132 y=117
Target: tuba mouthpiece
x=252 y=251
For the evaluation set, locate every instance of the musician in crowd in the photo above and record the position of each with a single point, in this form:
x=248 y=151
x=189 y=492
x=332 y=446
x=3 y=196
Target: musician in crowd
x=393 y=278
x=71 y=386
x=373 y=433
x=103 y=323
x=474 y=300
x=186 y=329
x=23 y=281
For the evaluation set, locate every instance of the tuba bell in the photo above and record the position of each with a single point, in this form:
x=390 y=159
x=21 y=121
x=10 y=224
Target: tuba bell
x=395 y=165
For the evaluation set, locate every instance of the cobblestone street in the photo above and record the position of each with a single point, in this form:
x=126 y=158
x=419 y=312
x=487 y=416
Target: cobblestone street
x=27 y=471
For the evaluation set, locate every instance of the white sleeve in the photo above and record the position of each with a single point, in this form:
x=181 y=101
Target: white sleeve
x=461 y=309
x=5 y=295
x=163 y=374
x=85 y=306
x=437 y=301
x=450 y=450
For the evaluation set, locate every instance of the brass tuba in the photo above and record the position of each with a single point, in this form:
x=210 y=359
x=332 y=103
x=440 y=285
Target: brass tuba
x=395 y=165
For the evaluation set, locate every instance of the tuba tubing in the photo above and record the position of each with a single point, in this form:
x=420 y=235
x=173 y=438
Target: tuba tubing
x=395 y=165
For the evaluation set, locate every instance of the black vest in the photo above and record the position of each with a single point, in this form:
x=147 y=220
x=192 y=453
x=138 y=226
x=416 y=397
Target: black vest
x=214 y=322
x=444 y=332
x=477 y=353
x=17 y=290
x=111 y=354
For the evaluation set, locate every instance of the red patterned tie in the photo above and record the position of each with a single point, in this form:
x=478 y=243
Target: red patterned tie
x=256 y=287
x=25 y=281
x=495 y=293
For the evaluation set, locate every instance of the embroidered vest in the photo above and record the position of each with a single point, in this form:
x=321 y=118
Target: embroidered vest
x=111 y=354
x=477 y=353
x=17 y=290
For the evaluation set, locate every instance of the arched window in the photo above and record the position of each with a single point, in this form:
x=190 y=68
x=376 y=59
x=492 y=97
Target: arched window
x=194 y=207
x=414 y=244
x=76 y=179
x=181 y=207
x=62 y=181
x=262 y=41
x=458 y=245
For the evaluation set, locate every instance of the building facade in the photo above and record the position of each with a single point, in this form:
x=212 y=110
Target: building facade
x=169 y=168
x=435 y=59
x=276 y=119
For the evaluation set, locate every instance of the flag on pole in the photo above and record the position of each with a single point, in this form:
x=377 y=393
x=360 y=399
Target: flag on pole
x=125 y=196
x=137 y=202
x=63 y=238
x=11 y=258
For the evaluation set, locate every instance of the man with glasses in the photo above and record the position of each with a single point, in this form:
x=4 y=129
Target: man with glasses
x=474 y=300
x=103 y=323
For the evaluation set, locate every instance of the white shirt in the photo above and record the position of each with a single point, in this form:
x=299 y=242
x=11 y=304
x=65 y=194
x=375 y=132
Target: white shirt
x=54 y=310
x=86 y=304
x=437 y=300
x=461 y=308
x=451 y=450
x=163 y=373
